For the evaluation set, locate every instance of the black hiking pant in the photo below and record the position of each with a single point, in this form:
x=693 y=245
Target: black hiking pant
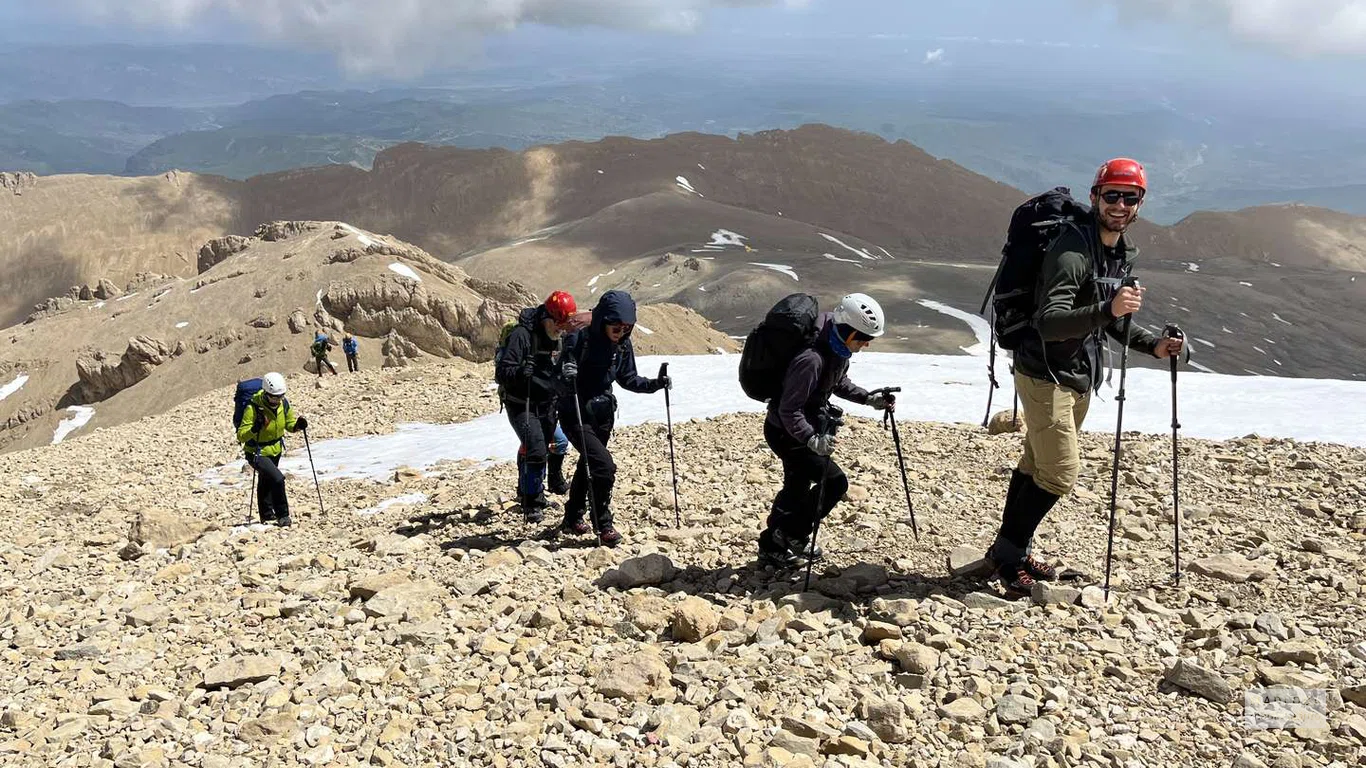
x=591 y=443
x=270 y=488
x=535 y=426
x=794 y=508
x=352 y=362
x=324 y=361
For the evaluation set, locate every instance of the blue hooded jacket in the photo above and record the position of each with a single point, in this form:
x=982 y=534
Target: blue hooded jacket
x=600 y=361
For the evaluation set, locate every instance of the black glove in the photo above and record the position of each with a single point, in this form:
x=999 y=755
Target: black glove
x=569 y=372
x=527 y=368
x=300 y=425
x=663 y=382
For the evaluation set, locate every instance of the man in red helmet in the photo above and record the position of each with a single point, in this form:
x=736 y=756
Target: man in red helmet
x=1079 y=300
x=526 y=370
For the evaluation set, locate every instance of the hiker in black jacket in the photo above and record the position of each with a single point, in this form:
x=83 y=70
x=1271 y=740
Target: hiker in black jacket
x=593 y=359
x=800 y=428
x=1080 y=300
x=526 y=371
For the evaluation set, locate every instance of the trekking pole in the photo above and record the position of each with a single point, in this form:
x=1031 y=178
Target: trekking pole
x=1172 y=331
x=583 y=454
x=673 y=465
x=1119 y=426
x=251 y=495
x=991 y=380
x=1015 y=408
x=889 y=418
x=827 y=427
x=309 y=448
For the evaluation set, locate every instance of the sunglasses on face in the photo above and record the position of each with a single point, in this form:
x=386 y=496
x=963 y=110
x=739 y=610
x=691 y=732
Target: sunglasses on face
x=620 y=328
x=274 y=399
x=1113 y=196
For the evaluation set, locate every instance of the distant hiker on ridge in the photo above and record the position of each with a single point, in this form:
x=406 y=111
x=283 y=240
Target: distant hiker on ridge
x=525 y=364
x=1079 y=296
x=592 y=360
x=265 y=420
x=321 y=346
x=351 y=348
x=801 y=423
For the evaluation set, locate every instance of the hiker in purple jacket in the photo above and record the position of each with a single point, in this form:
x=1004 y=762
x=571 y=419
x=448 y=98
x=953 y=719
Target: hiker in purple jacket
x=800 y=428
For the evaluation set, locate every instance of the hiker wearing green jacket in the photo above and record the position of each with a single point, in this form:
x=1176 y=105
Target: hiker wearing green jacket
x=1081 y=299
x=321 y=346
x=264 y=422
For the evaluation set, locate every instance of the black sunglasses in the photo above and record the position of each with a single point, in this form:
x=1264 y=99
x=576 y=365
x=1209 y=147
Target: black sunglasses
x=1113 y=196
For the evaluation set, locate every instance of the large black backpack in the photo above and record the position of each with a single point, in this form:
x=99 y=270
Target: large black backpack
x=1034 y=225
x=787 y=329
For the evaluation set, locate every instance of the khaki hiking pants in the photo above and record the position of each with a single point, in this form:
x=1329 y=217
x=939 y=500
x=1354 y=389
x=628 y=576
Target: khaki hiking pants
x=1053 y=415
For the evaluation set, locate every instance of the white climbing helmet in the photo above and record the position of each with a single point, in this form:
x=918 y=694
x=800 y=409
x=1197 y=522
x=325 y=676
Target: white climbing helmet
x=273 y=383
x=860 y=312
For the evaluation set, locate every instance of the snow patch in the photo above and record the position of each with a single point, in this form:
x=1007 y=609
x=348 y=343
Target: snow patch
x=783 y=268
x=599 y=170
x=407 y=499
x=726 y=237
x=703 y=167
x=80 y=416
x=1225 y=329
x=947 y=388
x=13 y=386
x=126 y=296
x=979 y=327
x=1206 y=343
x=1259 y=349
x=833 y=257
x=101 y=304
x=644 y=330
x=405 y=271
x=182 y=324
x=1199 y=367
x=365 y=240
x=1280 y=319
x=1240 y=282
x=685 y=184
x=859 y=251
x=702 y=288
x=1192 y=267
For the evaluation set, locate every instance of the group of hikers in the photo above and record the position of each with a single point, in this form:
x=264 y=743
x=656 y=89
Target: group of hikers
x=322 y=344
x=556 y=371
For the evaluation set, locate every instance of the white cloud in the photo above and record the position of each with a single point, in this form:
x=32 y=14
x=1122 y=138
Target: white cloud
x=1303 y=27
x=404 y=37
x=934 y=57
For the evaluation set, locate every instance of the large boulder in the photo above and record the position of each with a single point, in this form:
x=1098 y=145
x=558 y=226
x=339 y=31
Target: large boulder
x=162 y=528
x=220 y=248
x=102 y=376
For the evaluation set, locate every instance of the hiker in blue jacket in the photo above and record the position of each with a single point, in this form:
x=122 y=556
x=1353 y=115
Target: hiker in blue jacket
x=351 y=348
x=594 y=358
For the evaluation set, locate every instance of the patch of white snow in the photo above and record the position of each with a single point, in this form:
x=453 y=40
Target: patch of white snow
x=405 y=499
x=859 y=251
x=80 y=416
x=783 y=268
x=405 y=271
x=726 y=237
x=13 y=386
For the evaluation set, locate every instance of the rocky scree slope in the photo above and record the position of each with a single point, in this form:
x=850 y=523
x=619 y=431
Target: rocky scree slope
x=142 y=625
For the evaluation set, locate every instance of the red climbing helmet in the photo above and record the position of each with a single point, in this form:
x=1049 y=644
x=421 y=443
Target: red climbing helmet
x=561 y=306
x=1121 y=170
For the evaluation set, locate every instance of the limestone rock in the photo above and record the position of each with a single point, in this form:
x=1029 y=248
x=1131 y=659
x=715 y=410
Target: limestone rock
x=162 y=528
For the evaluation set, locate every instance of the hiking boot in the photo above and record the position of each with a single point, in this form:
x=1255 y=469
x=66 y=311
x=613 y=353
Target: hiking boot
x=774 y=550
x=1040 y=570
x=576 y=527
x=533 y=507
x=808 y=549
x=1015 y=578
x=609 y=537
x=555 y=481
x=284 y=522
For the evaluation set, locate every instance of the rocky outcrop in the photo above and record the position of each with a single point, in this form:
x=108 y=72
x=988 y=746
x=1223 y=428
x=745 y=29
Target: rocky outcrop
x=16 y=183
x=106 y=289
x=464 y=325
x=398 y=351
x=220 y=248
x=101 y=376
x=283 y=230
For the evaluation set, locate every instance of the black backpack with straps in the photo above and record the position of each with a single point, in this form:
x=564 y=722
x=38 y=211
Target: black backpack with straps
x=787 y=329
x=1034 y=225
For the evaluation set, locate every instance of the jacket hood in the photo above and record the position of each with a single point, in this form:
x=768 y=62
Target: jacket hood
x=531 y=317
x=614 y=307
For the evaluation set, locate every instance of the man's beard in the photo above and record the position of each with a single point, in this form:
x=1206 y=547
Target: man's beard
x=1107 y=223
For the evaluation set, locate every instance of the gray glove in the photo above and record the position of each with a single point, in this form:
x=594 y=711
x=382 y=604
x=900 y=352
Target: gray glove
x=569 y=371
x=880 y=400
x=821 y=445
